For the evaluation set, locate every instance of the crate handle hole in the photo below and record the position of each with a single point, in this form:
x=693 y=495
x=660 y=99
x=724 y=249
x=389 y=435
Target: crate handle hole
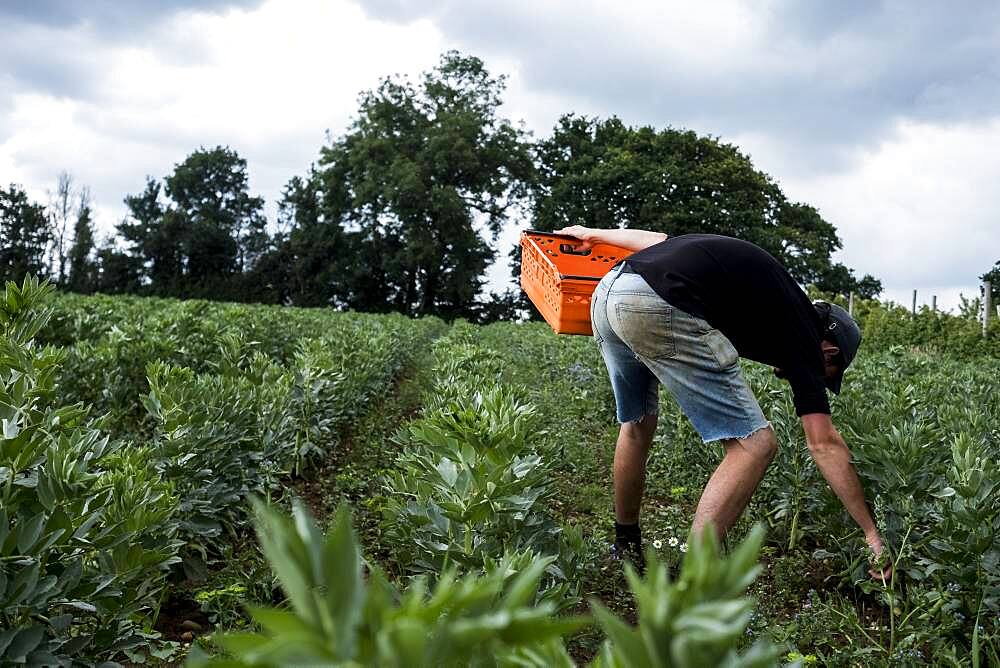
x=569 y=250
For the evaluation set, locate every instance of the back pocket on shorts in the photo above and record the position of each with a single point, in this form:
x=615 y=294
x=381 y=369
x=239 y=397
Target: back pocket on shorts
x=647 y=329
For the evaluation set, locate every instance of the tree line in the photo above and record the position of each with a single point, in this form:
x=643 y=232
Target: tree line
x=401 y=211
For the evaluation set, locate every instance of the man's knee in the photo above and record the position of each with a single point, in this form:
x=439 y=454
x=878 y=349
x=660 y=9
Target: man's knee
x=762 y=442
x=639 y=431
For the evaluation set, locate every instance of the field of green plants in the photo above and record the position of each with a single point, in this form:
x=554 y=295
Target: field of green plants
x=243 y=485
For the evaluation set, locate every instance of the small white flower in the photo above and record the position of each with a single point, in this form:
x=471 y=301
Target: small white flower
x=673 y=541
x=657 y=544
x=684 y=547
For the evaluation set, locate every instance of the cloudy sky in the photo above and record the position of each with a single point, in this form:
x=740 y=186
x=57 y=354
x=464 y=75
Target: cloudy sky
x=885 y=116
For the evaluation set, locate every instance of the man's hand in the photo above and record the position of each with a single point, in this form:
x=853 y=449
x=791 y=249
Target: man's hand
x=587 y=236
x=882 y=563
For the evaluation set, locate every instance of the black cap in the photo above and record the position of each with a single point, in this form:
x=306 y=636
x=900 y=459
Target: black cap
x=840 y=329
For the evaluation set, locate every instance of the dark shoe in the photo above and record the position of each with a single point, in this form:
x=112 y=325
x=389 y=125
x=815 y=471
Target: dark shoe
x=631 y=553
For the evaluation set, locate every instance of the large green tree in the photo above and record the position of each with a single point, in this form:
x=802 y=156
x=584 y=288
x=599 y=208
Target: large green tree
x=605 y=174
x=151 y=239
x=422 y=169
x=25 y=235
x=225 y=224
x=200 y=232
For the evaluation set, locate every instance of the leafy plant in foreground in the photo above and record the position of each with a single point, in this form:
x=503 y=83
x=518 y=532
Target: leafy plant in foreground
x=338 y=618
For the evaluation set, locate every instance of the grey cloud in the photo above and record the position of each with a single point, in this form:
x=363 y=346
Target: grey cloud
x=6 y=105
x=40 y=59
x=929 y=62
x=820 y=19
x=402 y=11
x=105 y=16
x=48 y=45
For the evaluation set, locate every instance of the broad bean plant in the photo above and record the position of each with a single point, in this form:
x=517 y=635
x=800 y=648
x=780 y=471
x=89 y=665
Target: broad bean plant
x=338 y=617
x=473 y=477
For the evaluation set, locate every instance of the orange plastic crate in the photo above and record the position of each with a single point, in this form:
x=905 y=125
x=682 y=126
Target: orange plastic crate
x=560 y=281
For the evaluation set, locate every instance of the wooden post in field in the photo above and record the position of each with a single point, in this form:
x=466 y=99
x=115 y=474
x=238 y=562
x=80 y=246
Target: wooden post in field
x=934 y=303
x=913 y=309
x=850 y=304
x=987 y=305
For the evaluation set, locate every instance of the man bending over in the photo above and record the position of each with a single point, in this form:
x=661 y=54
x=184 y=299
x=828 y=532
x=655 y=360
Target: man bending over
x=681 y=311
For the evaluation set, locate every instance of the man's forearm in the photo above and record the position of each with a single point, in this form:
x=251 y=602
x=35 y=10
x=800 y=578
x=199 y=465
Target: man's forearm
x=634 y=240
x=834 y=462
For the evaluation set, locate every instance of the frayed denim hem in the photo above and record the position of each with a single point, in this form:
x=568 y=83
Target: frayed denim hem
x=766 y=425
x=639 y=419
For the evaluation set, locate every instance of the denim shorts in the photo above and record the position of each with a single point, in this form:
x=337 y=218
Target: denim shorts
x=645 y=341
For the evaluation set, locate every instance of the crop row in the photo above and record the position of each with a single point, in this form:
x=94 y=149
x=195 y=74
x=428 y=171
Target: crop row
x=92 y=523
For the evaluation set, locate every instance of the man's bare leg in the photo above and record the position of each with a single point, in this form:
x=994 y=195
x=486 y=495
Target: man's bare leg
x=729 y=489
x=631 y=451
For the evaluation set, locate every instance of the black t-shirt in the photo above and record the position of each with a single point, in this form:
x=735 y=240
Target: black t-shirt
x=742 y=291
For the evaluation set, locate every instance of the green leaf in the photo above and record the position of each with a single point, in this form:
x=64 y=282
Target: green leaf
x=525 y=586
x=280 y=622
x=447 y=470
x=714 y=621
x=9 y=429
x=24 y=583
x=29 y=533
x=83 y=606
x=246 y=646
x=6 y=638
x=471 y=631
x=624 y=640
x=404 y=641
x=289 y=556
x=762 y=654
x=42 y=658
x=530 y=628
x=87 y=524
x=345 y=596
x=24 y=641
x=60 y=623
